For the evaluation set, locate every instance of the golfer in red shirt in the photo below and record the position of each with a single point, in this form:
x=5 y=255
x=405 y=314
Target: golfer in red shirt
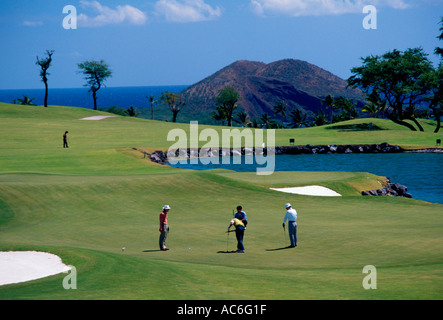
x=164 y=229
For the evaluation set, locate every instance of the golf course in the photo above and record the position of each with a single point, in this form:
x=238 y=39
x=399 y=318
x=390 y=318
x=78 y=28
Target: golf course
x=87 y=202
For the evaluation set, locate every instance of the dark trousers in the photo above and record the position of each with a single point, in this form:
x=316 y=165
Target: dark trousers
x=239 y=233
x=163 y=236
x=292 y=233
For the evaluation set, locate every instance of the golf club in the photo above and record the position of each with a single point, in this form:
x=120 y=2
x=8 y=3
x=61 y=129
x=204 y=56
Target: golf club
x=227 y=242
x=284 y=235
x=227 y=239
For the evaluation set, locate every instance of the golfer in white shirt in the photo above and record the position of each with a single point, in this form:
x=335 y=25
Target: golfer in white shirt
x=291 y=216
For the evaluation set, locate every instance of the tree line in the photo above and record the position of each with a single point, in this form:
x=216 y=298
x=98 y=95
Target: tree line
x=96 y=73
x=398 y=86
x=336 y=110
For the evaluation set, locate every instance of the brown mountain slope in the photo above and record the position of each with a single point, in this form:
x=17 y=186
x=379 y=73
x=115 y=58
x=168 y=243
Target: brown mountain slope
x=261 y=86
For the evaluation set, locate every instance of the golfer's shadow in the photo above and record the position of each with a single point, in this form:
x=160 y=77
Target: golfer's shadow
x=276 y=249
x=155 y=250
x=226 y=251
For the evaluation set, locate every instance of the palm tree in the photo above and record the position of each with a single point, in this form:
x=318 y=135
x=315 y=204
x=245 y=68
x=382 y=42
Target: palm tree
x=436 y=99
x=25 y=101
x=243 y=119
x=227 y=99
x=266 y=120
x=254 y=123
x=220 y=115
x=377 y=105
x=152 y=101
x=297 y=118
x=132 y=112
x=280 y=107
x=328 y=101
x=320 y=118
x=346 y=108
x=438 y=50
x=371 y=109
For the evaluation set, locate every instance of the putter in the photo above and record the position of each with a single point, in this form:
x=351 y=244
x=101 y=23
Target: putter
x=284 y=236
x=227 y=242
x=227 y=239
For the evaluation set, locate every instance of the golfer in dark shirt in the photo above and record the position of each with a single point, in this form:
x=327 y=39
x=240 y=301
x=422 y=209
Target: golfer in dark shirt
x=240 y=229
x=65 y=139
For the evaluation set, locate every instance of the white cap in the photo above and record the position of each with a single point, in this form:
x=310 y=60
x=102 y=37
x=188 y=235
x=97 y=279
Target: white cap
x=287 y=205
x=166 y=207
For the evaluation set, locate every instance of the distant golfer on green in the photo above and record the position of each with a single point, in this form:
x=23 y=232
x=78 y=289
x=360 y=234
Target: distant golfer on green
x=65 y=139
x=164 y=228
x=291 y=216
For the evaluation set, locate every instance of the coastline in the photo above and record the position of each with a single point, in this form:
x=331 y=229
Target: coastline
x=161 y=157
x=388 y=189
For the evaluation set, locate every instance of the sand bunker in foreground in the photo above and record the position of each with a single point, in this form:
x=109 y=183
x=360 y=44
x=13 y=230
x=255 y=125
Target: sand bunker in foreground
x=310 y=191
x=22 y=266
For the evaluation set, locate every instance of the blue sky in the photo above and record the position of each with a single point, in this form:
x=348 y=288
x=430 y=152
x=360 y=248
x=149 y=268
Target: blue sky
x=179 y=42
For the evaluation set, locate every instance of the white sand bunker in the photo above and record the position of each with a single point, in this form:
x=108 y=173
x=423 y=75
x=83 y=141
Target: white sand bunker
x=97 y=117
x=310 y=191
x=21 y=266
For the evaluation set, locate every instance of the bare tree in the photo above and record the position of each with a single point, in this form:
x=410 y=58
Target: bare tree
x=44 y=64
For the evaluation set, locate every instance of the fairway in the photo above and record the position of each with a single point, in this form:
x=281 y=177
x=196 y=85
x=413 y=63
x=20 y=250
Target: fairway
x=89 y=201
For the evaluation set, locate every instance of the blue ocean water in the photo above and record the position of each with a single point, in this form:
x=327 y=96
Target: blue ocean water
x=420 y=172
x=122 y=97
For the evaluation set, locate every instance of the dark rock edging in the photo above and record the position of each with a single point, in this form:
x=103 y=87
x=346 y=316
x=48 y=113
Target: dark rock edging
x=392 y=189
x=350 y=148
x=162 y=156
x=427 y=150
x=158 y=157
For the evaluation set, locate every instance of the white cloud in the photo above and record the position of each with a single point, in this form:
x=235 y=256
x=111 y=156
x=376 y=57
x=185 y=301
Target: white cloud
x=319 y=7
x=397 y=4
x=186 y=10
x=28 y=23
x=106 y=15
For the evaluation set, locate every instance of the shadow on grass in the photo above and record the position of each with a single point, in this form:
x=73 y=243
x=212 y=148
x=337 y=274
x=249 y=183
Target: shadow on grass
x=276 y=249
x=155 y=250
x=355 y=127
x=227 y=251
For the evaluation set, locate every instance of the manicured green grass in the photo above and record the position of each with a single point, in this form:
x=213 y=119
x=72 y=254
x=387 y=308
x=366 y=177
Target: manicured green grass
x=32 y=139
x=87 y=202
x=348 y=132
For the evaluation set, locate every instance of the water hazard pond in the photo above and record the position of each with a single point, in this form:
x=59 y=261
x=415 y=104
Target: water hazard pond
x=420 y=172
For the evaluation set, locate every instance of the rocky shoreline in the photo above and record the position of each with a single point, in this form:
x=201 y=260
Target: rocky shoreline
x=392 y=190
x=162 y=156
x=350 y=148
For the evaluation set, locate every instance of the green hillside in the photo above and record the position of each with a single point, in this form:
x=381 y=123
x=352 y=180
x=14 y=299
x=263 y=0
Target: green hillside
x=87 y=202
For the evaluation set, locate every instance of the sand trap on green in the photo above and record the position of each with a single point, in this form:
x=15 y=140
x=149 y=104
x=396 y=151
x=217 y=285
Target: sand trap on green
x=22 y=266
x=310 y=191
x=97 y=117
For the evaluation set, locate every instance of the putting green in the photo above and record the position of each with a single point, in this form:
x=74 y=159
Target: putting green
x=87 y=202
